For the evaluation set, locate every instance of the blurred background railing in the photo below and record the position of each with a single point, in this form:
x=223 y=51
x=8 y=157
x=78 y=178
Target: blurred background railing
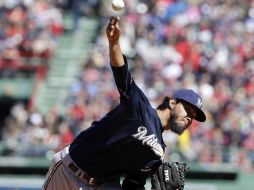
x=55 y=79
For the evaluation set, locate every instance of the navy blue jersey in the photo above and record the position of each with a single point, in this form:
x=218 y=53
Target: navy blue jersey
x=127 y=139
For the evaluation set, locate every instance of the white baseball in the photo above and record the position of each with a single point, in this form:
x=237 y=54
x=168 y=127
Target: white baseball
x=117 y=5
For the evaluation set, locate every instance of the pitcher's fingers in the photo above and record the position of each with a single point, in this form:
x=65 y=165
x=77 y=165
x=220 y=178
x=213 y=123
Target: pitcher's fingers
x=112 y=20
x=110 y=27
x=108 y=30
x=111 y=33
x=115 y=20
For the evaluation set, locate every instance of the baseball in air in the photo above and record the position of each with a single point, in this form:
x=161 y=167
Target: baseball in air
x=117 y=5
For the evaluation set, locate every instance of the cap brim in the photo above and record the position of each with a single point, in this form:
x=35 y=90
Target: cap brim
x=200 y=115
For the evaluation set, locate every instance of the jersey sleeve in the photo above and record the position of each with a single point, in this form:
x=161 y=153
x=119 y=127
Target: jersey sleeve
x=124 y=81
x=132 y=99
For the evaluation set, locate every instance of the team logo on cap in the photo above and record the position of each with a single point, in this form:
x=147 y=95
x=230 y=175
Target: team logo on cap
x=199 y=103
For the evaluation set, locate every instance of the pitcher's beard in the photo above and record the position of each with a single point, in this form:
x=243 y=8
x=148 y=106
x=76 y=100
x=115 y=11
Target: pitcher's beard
x=174 y=127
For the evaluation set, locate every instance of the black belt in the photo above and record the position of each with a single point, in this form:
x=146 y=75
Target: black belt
x=87 y=178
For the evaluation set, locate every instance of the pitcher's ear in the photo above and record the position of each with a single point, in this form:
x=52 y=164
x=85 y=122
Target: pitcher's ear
x=172 y=103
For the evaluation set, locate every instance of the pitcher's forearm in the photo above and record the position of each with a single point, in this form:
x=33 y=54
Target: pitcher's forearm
x=113 y=34
x=115 y=54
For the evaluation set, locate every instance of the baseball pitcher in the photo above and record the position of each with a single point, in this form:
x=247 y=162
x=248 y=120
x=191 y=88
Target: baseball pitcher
x=128 y=140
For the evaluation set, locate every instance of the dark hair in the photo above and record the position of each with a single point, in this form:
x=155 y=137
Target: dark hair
x=164 y=104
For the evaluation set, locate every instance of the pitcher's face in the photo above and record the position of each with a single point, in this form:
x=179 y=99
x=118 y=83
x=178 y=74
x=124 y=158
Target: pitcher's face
x=181 y=117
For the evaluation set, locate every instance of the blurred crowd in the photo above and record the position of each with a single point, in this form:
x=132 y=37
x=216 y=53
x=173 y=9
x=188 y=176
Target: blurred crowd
x=206 y=45
x=28 y=32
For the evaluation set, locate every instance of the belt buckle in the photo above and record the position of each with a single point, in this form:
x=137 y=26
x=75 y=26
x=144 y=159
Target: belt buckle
x=91 y=181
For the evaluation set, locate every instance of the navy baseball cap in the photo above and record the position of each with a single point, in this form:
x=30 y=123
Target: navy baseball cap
x=192 y=98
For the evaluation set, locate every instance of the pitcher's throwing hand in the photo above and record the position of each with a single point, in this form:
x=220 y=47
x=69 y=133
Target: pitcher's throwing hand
x=113 y=30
